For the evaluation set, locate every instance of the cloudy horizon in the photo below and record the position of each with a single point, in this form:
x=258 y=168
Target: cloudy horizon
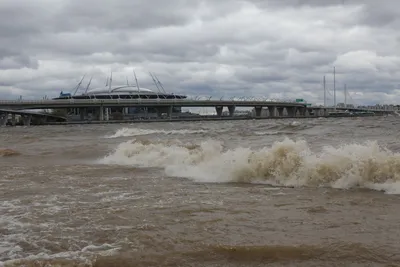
x=261 y=48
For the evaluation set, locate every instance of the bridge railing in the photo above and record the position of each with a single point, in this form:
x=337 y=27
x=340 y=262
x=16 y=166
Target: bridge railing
x=139 y=101
x=359 y=108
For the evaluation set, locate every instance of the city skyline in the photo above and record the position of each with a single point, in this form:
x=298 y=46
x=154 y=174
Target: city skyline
x=277 y=49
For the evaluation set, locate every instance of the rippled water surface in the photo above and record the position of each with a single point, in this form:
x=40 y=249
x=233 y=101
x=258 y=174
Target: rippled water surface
x=317 y=192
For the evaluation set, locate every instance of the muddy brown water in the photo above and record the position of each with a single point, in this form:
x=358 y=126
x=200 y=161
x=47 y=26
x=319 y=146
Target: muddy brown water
x=314 y=192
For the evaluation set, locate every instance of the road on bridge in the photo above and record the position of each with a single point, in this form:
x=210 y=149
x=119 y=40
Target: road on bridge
x=82 y=103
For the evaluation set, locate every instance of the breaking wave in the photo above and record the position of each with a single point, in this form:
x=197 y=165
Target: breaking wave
x=130 y=132
x=274 y=129
x=287 y=163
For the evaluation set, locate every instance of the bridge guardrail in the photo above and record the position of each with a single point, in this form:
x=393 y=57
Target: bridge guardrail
x=120 y=100
x=159 y=101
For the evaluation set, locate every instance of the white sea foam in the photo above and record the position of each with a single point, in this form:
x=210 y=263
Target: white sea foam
x=295 y=123
x=126 y=132
x=285 y=163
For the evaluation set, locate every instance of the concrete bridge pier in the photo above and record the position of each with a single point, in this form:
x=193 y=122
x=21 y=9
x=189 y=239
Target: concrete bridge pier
x=258 y=111
x=271 y=111
x=169 y=112
x=83 y=113
x=291 y=111
x=13 y=120
x=280 y=112
x=27 y=120
x=219 y=109
x=3 y=119
x=107 y=112
x=302 y=112
x=101 y=113
x=231 y=110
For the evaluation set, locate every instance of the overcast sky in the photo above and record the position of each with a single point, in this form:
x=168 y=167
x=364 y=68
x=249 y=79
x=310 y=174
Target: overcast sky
x=274 y=48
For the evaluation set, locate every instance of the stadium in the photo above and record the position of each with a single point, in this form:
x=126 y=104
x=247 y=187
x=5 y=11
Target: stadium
x=127 y=91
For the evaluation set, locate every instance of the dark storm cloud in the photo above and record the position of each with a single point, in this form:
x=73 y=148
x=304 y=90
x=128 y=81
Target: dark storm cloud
x=222 y=48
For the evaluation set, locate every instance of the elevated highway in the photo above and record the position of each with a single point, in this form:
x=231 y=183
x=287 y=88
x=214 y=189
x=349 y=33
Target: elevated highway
x=99 y=109
x=26 y=116
x=102 y=106
x=352 y=109
x=83 y=103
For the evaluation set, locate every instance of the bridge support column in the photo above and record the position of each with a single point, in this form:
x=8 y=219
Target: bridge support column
x=170 y=109
x=280 y=112
x=231 y=110
x=101 y=113
x=13 y=120
x=219 y=109
x=258 y=111
x=271 y=111
x=83 y=113
x=291 y=111
x=27 y=120
x=159 y=113
x=106 y=114
x=302 y=112
x=3 y=119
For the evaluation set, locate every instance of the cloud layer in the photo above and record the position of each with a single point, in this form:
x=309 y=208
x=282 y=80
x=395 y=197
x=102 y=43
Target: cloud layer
x=272 y=48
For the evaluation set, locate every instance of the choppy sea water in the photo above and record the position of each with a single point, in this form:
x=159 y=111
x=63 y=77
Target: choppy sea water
x=314 y=192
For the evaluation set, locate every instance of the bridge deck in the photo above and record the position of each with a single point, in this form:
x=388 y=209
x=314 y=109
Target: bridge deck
x=82 y=103
x=24 y=112
x=69 y=103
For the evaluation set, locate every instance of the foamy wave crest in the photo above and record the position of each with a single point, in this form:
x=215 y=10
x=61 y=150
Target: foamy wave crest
x=126 y=132
x=286 y=163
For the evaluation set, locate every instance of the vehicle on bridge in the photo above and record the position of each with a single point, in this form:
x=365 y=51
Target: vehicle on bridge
x=64 y=95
